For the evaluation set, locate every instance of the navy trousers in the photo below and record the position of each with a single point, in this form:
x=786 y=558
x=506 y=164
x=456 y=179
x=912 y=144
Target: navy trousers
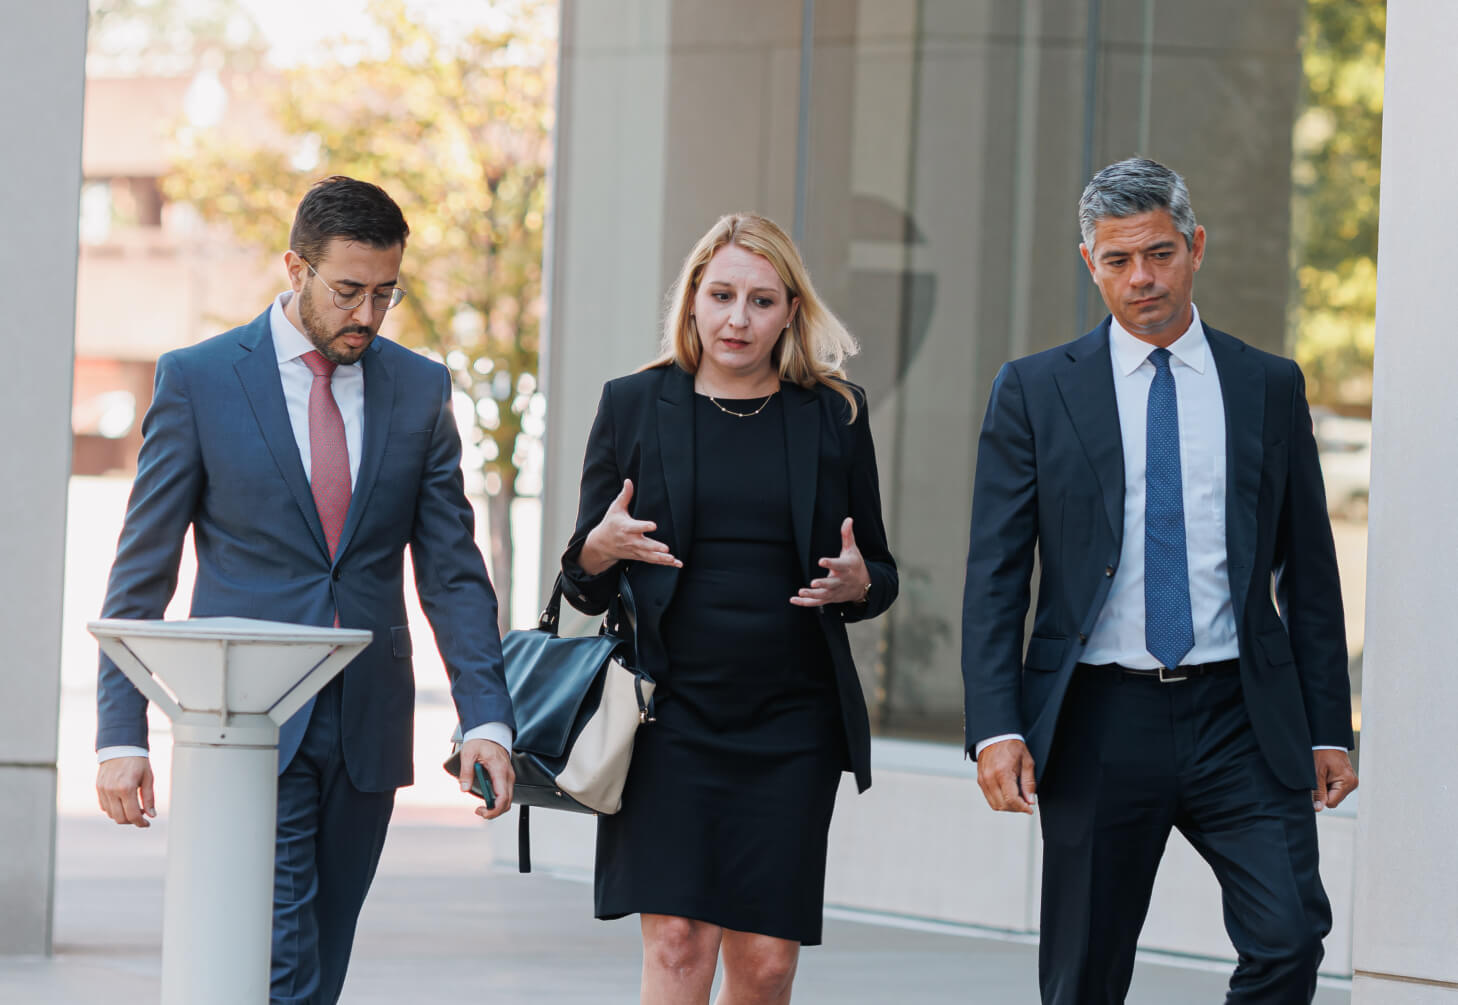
x=329 y=839
x=1132 y=759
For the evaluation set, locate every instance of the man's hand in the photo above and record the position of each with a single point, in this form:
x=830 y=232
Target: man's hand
x=1005 y=772
x=498 y=768
x=1335 y=778
x=124 y=790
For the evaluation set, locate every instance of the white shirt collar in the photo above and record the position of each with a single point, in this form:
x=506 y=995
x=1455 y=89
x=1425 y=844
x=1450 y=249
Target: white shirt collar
x=288 y=341
x=1130 y=353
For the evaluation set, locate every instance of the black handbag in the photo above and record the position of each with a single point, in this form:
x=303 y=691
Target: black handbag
x=578 y=702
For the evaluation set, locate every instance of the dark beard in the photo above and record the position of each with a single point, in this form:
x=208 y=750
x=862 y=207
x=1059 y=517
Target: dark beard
x=324 y=340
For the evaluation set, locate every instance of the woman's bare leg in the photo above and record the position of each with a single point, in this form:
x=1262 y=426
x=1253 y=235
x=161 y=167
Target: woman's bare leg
x=679 y=958
x=758 y=969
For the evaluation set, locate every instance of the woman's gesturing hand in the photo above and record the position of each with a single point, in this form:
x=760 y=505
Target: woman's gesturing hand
x=846 y=580
x=618 y=537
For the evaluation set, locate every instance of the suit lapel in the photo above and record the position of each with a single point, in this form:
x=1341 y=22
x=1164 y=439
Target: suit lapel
x=1243 y=391
x=1087 y=387
x=379 y=401
x=676 y=448
x=257 y=369
x=802 y=449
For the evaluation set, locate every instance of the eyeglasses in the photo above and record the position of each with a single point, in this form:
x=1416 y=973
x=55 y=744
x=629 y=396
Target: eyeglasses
x=350 y=301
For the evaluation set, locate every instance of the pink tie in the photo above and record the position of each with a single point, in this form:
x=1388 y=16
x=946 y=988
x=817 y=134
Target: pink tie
x=328 y=451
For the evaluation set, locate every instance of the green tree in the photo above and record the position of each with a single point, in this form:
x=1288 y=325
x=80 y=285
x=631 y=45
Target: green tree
x=1336 y=173
x=455 y=124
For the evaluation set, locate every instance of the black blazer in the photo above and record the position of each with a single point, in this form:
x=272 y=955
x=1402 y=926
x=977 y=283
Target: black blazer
x=1050 y=472
x=644 y=430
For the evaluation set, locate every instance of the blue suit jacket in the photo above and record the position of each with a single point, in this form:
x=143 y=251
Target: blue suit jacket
x=1050 y=473
x=219 y=456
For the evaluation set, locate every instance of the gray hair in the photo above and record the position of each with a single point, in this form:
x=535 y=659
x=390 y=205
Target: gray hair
x=1134 y=186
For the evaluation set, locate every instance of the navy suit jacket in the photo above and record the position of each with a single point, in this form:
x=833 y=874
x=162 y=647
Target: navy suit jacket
x=644 y=430
x=219 y=456
x=1050 y=474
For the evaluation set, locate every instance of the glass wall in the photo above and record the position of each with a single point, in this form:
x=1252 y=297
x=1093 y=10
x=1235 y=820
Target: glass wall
x=929 y=155
x=948 y=142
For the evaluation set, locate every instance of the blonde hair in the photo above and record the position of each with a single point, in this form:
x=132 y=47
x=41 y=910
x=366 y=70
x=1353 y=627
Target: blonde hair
x=809 y=352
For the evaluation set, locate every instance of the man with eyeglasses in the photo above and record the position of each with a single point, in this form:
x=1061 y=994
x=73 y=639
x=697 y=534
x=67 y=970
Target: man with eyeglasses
x=305 y=452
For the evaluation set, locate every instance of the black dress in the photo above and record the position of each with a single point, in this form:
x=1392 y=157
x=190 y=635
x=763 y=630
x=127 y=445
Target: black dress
x=728 y=802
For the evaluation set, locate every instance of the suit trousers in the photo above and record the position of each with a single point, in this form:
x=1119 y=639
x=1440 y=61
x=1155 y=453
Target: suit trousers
x=1131 y=759
x=328 y=844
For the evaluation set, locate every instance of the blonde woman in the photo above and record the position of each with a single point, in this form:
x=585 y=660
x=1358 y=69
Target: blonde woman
x=733 y=480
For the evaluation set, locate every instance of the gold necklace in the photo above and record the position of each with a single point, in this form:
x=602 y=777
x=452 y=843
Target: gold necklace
x=742 y=415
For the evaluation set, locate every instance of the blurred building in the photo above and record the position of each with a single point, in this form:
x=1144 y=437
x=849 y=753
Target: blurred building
x=151 y=277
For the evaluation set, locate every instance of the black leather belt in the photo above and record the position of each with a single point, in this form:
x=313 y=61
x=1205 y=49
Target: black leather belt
x=1167 y=676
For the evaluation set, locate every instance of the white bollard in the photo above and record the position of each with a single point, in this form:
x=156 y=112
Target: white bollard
x=218 y=909
x=227 y=684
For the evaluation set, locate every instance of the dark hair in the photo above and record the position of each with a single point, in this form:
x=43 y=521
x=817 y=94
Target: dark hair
x=348 y=208
x=1131 y=187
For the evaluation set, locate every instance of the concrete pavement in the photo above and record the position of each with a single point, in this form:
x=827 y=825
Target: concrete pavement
x=447 y=922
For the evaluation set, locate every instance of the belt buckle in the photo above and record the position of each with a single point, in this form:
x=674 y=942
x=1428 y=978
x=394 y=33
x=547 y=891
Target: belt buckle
x=1167 y=676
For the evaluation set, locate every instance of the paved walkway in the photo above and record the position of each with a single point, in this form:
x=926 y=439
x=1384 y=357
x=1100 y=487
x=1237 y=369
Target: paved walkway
x=444 y=923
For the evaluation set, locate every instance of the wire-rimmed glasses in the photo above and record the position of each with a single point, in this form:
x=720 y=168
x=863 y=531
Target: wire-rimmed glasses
x=349 y=301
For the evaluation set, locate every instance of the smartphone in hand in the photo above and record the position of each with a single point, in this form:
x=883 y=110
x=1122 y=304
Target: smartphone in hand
x=483 y=786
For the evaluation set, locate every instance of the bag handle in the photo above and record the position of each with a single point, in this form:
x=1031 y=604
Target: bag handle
x=622 y=613
x=621 y=618
x=524 y=839
x=551 y=615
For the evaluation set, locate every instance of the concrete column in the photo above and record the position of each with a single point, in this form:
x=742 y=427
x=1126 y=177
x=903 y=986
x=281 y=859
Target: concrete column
x=42 y=71
x=1405 y=948
x=604 y=263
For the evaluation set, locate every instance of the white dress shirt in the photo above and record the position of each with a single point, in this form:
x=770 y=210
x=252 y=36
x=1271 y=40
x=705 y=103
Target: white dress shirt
x=347 y=383
x=1118 y=634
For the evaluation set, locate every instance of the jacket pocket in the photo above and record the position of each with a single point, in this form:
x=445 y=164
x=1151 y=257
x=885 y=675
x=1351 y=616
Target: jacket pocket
x=400 y=642
x=1045 y=652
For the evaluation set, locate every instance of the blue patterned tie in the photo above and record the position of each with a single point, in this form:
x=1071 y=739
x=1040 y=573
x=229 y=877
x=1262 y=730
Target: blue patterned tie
x=1169 y=631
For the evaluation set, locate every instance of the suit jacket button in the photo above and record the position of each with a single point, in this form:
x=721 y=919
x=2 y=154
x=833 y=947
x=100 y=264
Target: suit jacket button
x=334 y=575
x=1082 y=637
x=1108 y=570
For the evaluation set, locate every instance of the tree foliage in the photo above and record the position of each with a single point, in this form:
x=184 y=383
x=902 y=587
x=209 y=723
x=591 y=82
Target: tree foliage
x=168 y=37
x=1337 y=170
x=455 y=126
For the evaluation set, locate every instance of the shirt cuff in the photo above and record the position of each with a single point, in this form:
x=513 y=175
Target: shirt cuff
x=109 y=753
x=984 y=744
x=1343 y=749
x=497 y=732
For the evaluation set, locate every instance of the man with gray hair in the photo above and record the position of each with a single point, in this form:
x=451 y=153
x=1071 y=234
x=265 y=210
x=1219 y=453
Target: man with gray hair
x=1187 y=665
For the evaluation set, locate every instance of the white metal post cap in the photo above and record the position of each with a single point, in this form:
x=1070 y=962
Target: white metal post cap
x=228 y=666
